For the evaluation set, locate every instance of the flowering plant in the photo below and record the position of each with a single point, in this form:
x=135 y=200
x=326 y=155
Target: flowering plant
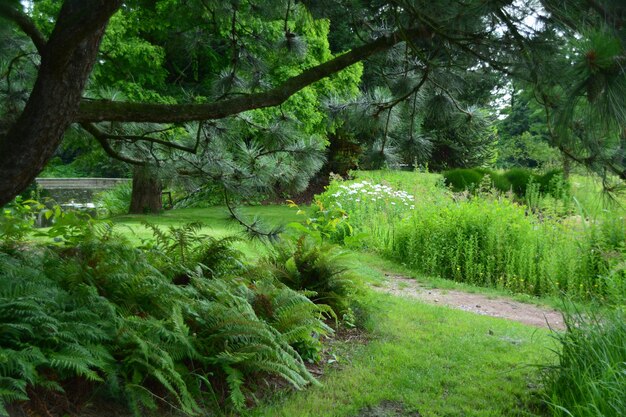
x=351 y=196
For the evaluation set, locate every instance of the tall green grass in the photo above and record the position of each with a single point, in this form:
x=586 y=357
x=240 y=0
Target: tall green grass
x=590 y=378
x=496 y=242
x=489 y=239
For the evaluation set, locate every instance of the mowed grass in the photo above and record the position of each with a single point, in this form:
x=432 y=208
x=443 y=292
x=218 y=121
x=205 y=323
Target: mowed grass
x=217 y=222
x=434 y=360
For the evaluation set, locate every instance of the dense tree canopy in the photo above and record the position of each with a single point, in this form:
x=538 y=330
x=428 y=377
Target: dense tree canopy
x=157 y=81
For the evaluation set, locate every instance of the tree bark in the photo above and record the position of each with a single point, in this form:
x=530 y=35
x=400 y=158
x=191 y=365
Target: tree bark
x=66 y=62
x=567 y=166
x=146 y=195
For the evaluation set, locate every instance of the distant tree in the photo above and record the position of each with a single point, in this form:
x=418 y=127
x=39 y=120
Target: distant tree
x=523 y=137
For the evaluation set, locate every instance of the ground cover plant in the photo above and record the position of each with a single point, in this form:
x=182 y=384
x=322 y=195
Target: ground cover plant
x=181 y=321
x=389 y=325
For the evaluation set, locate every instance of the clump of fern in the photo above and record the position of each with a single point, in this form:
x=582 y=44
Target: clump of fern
x=314 y=266
x=47 y=334
x=100 y=309
x=180 y=248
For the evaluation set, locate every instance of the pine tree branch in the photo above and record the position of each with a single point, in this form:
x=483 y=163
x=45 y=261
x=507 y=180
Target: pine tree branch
x=251 y=229
x=25 y=24
x=403 y=97
x=451 y=97
x=101 y=138
x=105 y=110
x=149 y=139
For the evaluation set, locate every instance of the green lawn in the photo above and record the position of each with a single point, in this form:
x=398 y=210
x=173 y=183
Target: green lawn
x=434 y=360
x=217 y=221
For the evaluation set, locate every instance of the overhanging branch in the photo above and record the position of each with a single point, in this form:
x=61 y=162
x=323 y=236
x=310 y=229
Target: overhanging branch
x=25 y=24
x=102 y=139
x=105 y=110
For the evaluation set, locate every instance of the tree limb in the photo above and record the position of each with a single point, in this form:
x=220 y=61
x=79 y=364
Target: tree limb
x=105 y=110
x=25 y=24
x=101 y=138
x=146 y=138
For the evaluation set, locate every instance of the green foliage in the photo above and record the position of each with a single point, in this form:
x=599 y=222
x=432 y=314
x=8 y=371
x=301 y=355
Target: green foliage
x=48 y=333
x=590 y=377
x=522 y=135
x=180 y=249
x=315 y=268
x=17 y=220
x=488 y=239
x=519 y=179
x=169 y=322
x=324 y=223
x=462 y=179
x=526 y=150
x=496 y=243
x=516 y=180
x=116 y=200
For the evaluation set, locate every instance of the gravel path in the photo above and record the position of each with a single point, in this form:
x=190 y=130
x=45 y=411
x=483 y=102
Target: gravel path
x=476 y=303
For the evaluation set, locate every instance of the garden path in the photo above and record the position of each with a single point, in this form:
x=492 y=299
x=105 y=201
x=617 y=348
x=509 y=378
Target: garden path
x=476 y=303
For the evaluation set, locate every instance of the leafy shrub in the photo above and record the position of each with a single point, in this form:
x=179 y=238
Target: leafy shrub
x=324 y=223
x=17 y=220
x=553 y=183
x=519 y=179
x=473 y=178
x=590 y=378
x=462 y=179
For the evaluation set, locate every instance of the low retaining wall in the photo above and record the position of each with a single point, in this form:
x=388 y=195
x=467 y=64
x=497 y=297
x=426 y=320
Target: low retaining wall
x=76 y=190
x=79 y=183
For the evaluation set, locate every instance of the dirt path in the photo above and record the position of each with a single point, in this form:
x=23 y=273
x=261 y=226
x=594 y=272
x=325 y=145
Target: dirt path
x=475 y=303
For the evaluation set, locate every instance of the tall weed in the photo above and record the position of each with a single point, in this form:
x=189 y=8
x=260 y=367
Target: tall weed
x=490 y=239
x=590 y=377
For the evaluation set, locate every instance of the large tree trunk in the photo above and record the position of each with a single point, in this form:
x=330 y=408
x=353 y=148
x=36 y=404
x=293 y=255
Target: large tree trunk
x=146 y=195
x=66 y=62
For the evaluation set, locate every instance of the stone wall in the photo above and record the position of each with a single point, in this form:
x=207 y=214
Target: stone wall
x=79 y=190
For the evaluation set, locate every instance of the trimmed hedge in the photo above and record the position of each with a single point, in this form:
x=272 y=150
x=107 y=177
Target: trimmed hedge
x=516 y=180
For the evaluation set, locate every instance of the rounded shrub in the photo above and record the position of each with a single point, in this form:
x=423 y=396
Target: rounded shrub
x=519 y=179
x=462 y=178
x=552 y=182
x=499 y=182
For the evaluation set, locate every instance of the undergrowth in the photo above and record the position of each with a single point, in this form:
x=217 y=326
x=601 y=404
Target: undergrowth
x=487 y=238
x=590 y=377
x=180 y=322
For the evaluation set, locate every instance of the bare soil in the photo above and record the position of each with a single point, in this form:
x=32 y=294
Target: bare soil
x=476 y=303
